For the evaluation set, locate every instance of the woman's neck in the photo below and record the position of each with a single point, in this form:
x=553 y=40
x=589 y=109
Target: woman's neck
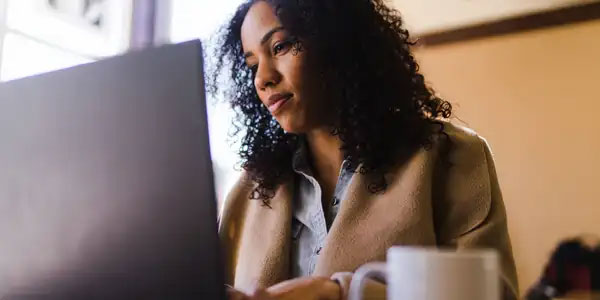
x=326 y=156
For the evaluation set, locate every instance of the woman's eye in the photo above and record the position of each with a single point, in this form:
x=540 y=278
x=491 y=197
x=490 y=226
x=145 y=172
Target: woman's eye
x=279 y=47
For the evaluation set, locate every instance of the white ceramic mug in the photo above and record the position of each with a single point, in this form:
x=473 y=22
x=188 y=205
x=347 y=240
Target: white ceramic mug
x=432 y=274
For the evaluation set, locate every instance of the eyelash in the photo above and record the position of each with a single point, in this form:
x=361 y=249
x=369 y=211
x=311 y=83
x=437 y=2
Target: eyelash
x=275 y=50
x=281 y=45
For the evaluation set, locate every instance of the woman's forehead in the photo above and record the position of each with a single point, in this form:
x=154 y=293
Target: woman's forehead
x=259 y=20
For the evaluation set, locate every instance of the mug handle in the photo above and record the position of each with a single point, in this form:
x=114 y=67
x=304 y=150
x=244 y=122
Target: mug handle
x=375 y=270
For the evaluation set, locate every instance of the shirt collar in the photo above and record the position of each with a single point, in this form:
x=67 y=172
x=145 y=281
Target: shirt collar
x=300 y=162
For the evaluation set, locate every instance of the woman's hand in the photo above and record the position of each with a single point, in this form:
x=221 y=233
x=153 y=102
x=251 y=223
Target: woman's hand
x=304 y=288
x=233 y=294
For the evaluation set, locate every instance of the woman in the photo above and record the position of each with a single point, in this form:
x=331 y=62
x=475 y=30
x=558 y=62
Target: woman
x=344 y=152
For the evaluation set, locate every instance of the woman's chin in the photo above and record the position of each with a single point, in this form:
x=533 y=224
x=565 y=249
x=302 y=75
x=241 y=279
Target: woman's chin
x=297 y=125
x=293 y=130
x=289 y=127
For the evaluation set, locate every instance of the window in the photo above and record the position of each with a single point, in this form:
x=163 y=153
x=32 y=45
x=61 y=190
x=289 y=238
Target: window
x=192 y=19
x=38 y=36
x=23 y=56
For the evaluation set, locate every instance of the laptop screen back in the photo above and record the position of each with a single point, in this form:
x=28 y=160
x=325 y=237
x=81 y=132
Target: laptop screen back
x=106 y=187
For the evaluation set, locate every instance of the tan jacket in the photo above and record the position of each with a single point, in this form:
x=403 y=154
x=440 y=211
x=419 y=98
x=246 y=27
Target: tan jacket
x=454 y=203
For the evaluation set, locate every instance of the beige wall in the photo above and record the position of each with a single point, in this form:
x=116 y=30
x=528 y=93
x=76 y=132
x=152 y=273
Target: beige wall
x=426 y=16
x=535 y=96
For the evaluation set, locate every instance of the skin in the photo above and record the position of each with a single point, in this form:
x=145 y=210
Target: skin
x=278 y=69
x=268 y=49
x=308 y=288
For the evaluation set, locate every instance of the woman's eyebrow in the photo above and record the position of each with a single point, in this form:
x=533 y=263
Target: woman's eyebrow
x=269 y=34
x=265 y=38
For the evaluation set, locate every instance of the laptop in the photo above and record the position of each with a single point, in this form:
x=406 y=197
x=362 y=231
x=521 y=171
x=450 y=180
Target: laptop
x=106 y=183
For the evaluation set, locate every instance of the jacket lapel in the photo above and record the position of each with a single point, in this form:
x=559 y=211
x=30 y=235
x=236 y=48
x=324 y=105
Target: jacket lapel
x=368 y=224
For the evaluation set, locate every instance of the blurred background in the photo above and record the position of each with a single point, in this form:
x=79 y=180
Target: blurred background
x=525 y=74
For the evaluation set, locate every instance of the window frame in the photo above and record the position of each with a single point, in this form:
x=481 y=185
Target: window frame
x=148 y=26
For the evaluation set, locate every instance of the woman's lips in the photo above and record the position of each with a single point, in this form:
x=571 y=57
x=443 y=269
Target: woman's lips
x=274 y=107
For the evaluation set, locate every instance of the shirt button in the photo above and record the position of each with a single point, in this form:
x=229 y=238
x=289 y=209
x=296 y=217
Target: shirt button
x=319 y=250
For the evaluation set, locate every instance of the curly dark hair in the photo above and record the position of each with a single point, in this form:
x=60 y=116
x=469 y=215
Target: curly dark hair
x=364 y=59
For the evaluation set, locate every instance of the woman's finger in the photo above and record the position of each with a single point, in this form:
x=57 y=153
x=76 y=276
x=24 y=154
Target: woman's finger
x=261 y=294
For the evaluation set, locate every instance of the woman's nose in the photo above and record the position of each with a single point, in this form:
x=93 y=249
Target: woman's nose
x=266 y=76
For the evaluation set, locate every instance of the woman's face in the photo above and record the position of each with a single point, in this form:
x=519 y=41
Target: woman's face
x=283 y=78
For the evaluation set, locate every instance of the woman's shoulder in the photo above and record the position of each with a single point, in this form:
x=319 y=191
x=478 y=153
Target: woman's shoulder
x=455 y=150
x=461 y=136
x=236 y=200
x=242 y=188
x=462 y=145
x=467 y=180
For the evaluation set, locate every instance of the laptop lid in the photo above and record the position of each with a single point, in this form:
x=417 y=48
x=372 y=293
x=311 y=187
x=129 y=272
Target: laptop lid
x=106 y=183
